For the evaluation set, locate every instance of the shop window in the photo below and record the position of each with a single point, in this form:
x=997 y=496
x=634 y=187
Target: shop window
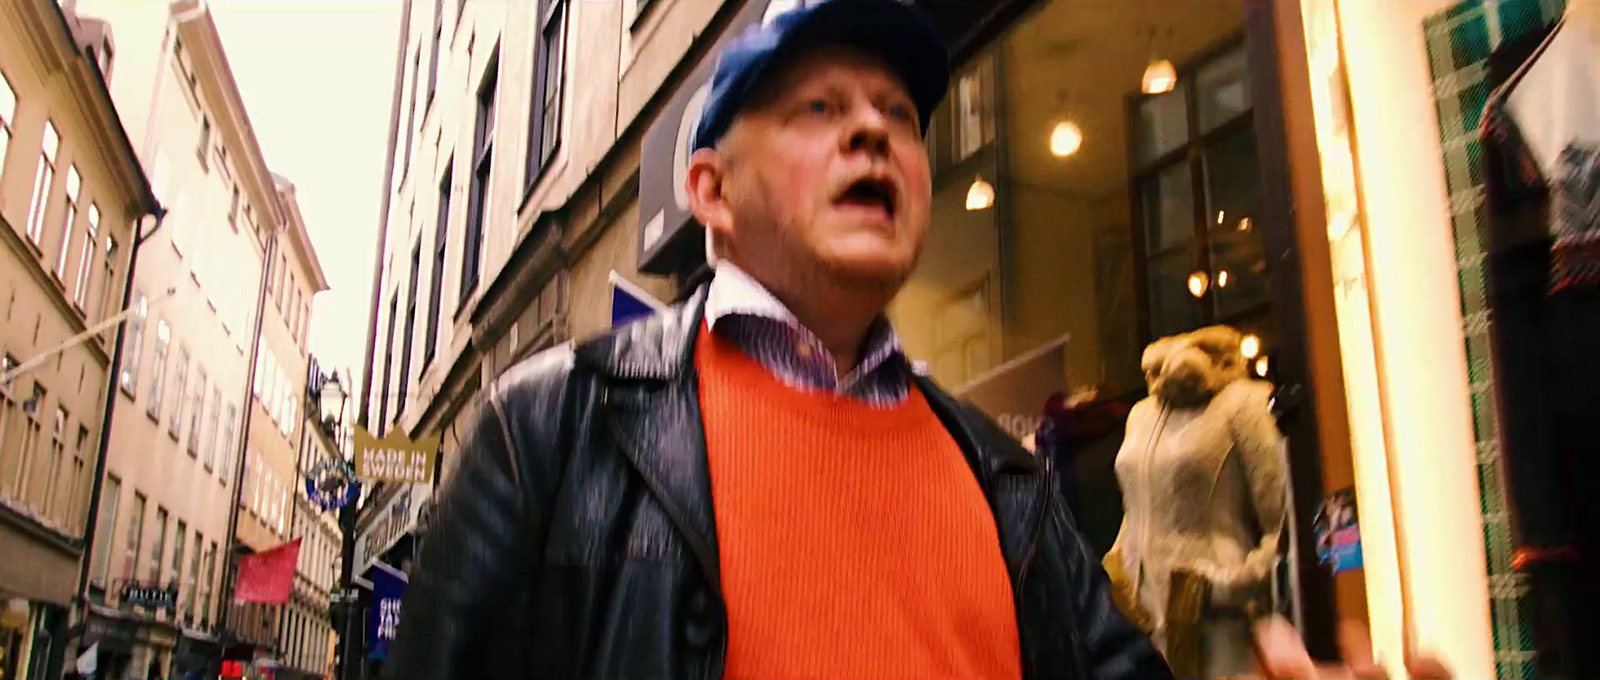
x=1196 y=173
x=1048 y=267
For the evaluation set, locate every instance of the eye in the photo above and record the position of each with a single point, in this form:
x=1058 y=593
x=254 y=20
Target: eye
x=819 y=107
x=902 y=112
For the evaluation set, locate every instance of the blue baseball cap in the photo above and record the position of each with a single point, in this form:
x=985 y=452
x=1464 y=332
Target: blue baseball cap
x=892 y=29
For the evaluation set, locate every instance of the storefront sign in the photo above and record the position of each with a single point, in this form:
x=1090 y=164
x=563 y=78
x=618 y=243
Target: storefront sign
x=395 y=458
x=397 y=517
x=388 y=590
x=1014 y=394
x=154 y=597
x=1338 y=533
x=669 y=239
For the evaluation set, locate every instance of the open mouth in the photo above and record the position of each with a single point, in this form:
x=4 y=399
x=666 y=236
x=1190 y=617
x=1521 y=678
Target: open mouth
x=870 y=193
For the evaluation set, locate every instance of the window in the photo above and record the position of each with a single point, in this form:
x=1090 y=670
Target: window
x=478 y=193
x=158 y=378
x=411 y=109
x=131 y=345
x=80 y=479
x=205 y=586
x=42 y=179
x=225 y=446
x=158 y=551
x=19 y=470
x=441 y=240
x=179 y=537
x=974 y=110
x=411 y=322
x=189 y=599
x=100 y=562
x=197 y=400
x=80 y=289
x=74 y=184
x=134 y=538
x=433 y=54
x=205 y=141
x=50 y=476
x=233 y=209
x=208 y=454
x=8 y=113
x=180 y=379
x=106 y=298
x=544 y=123
x=388 y=361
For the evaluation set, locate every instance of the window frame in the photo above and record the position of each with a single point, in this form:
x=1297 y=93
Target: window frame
x=44 y=179
x=441 y=243
x=487 y=112
x=544 y=135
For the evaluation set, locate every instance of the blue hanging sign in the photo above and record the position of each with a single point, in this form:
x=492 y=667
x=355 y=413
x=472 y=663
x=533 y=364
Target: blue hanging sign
x=388 y=590
x=629 y=303
x=331 y=484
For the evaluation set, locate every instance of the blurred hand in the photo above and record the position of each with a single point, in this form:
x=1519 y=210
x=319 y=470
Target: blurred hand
x=1283 y=656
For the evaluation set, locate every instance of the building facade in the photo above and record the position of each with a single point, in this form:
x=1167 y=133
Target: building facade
x=1106 y=173
x=267 y=509
x=72 y=193
x=180 y=434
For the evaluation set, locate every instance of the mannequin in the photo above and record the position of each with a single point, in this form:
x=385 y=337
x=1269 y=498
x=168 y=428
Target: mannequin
x=1205 y=487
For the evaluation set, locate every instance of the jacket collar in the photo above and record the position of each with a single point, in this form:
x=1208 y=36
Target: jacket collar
x=659 y=348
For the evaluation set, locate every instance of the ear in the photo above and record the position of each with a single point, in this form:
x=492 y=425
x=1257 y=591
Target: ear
x=708 y=199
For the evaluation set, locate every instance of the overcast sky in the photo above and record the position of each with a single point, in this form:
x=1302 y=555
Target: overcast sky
x=316 y=76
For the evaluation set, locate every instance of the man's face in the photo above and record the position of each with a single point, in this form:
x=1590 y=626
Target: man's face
x=823 y=179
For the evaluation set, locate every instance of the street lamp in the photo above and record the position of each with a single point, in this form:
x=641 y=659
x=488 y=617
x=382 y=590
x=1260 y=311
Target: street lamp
x=331 y=400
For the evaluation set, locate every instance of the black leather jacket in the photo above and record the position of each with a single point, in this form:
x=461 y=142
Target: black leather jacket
x=576 y=537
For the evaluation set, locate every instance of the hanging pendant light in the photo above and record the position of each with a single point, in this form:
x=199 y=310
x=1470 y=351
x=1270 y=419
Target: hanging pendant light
x=1065 y=139
x=1199 y=283
x=1250 y=347
x=980 y=196
x=1159 y=77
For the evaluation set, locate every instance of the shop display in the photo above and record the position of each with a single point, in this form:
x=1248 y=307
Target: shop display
x=1541 y=138
x=1204 y=480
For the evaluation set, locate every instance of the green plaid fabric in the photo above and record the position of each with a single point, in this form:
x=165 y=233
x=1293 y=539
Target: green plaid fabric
x=1460 y=41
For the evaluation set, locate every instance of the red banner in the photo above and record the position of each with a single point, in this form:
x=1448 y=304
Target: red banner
x=267 y=576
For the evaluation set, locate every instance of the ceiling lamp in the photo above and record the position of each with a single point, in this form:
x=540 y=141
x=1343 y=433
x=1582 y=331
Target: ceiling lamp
x=1222 y=279
x=1244 y=224
x=1261 y=367
x=1198 y=283
x=1159 y=77
x=1250 y=346
x=1065 y=139
x=981 y=195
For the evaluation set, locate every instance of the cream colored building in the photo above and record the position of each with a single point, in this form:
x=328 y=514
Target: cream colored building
x=271 y=475
x=176 y=445
x=71 y=193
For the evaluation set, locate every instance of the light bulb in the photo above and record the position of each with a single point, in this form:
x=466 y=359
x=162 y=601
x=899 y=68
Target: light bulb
x=1065 y=139
x=981 y=195
x=1159 y=77
x=1244 y=224
x=1222 y=279
x=1250 y=346
x=1261 y=367
x=1221 y=215
x=1198 y=283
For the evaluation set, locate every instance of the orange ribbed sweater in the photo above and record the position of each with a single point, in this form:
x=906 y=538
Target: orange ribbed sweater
x=854 y=540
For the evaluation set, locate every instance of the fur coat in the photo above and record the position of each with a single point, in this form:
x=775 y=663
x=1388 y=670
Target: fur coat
x=1204 y=478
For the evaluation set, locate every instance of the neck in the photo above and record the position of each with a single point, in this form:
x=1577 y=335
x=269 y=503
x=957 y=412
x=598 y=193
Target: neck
x=840 y=321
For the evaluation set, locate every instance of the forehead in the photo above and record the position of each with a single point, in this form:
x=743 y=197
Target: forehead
x=829 y=66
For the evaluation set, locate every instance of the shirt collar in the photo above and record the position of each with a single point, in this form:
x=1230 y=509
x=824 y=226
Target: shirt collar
x=734 y=292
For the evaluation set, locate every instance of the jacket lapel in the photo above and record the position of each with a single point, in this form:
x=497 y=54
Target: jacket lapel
x=1009 y=475
x=649 y=395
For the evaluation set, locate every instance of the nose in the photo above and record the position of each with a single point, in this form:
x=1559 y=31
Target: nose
x=868 y=132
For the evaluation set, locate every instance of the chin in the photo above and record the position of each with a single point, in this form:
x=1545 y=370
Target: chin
x=877 y=269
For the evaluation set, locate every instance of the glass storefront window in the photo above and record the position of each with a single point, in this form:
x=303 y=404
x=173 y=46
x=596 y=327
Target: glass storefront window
x=1142 y=230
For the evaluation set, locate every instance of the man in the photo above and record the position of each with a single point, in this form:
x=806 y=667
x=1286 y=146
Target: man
x=754 y=484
